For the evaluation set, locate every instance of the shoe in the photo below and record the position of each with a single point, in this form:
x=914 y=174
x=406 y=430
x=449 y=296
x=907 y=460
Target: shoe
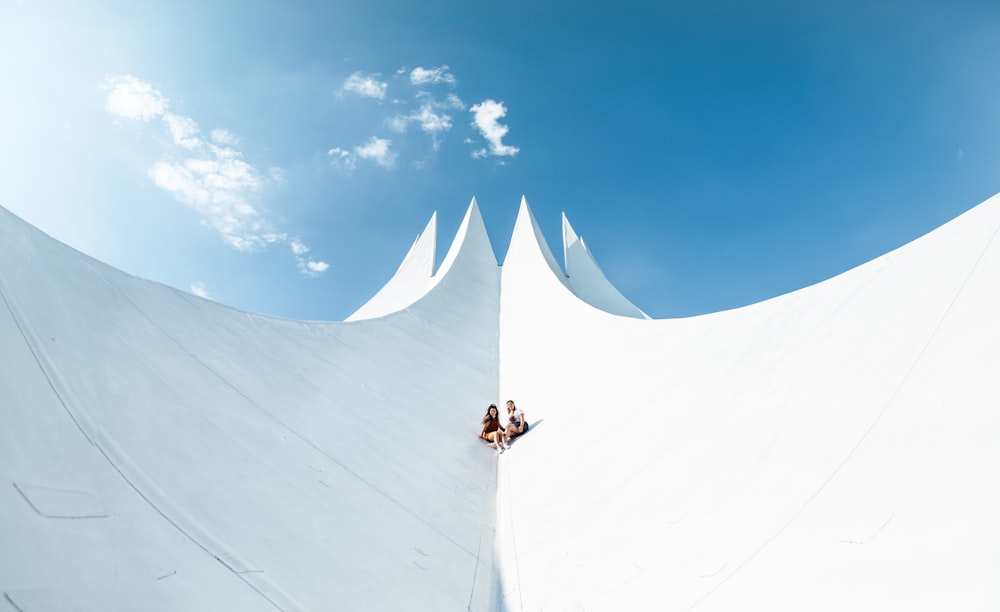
x=500 y=450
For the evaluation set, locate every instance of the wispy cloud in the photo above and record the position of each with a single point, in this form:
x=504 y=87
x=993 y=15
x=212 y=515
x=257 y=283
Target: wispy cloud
x=367 y=85
x=184 y=130
x=432 y=116
x=342 y=158
x=428 y=117
x=378 y=150
x=198 y=288
x=309 y=267
x=430 y=121
x=210 y=177
x=133 y=99
x=432 y=76
x=486 y=119
x=217 y=185
x=224 y=137
x=453 y=101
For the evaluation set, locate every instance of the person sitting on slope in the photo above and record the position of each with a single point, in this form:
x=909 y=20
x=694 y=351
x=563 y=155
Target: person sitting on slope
x=491 y=431
x=516 y=423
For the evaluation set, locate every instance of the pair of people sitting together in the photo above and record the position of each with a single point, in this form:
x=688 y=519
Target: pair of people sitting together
x=498 y=435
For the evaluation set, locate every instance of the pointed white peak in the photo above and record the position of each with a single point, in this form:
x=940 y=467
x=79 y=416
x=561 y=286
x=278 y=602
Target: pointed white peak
x=424 y=248
x=415 y=277
x=528 y=242
x=412 y=279
x=587 y=281
x=471 y=241
x=569 y=241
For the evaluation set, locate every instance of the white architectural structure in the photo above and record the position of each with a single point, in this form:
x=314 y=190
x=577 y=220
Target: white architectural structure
x=835 y=448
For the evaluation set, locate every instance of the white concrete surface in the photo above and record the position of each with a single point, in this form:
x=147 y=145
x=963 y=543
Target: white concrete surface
x=237 y=461
x=834 y=448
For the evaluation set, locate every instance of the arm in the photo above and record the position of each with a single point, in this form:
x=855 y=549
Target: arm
x=523 y=423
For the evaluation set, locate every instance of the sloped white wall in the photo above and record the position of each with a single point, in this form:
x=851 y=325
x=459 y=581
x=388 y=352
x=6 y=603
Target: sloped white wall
x=833 y=448
x=830 y=449
x=244 y=462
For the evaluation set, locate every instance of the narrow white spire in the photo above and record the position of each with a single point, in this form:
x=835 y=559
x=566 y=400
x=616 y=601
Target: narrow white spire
x=412 y=279
x=588 y=282
x=527 y=242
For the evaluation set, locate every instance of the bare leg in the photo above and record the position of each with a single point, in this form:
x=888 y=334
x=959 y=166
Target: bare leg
x=498 y=439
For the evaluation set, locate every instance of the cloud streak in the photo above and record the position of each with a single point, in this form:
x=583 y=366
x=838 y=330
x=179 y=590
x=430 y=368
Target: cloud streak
x=133 y=99
x=432 y=76
x=377 y=150
x=209 y=176
x=486 y=119
x=198 y=288
x=367 y=85
x=429 y=117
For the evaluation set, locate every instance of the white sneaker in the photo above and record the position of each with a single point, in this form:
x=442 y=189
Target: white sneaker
x=500 y=450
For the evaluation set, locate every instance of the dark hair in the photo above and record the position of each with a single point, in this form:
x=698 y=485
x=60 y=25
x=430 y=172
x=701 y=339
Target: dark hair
x=488 y=417
x=512 y=402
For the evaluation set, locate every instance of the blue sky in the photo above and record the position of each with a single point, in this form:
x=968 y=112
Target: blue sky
x=281 y=157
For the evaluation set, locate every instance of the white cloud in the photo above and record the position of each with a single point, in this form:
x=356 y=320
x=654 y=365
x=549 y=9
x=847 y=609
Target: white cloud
x=198 y=288
x=366 y=85
x=341 y=158
x=133 y=99
x=224 y=137
x=430 y=121
x=298 y=248
x=453 y=101
x=210 y=177
x=277 y=174
x=311 y=267
x=183 y=129
x=432 y=76
x=487 y=114
x=418 y=104
x=217 y=187
x=377 y=150
x=398 y=123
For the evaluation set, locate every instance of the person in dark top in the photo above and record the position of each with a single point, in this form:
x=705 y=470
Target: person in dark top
x=492 y=431
x=516 y=423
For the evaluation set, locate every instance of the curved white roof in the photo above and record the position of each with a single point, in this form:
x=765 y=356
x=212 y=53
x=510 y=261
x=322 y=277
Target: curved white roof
x=833 y=448
x=216 y=459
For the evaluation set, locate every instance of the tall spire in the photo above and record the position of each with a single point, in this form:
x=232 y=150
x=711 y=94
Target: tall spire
x=471 y=240
x=527 y=243
x=588 y=282
x=412 y=279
